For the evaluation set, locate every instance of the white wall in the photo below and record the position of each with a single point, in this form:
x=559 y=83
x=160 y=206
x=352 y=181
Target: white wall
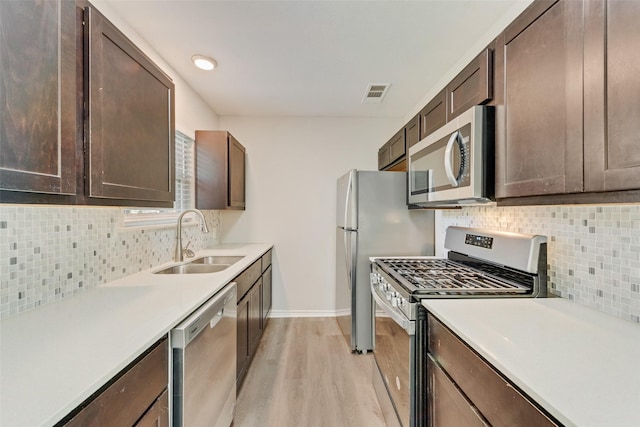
x=292 y=168
x=191 y=111
x=496 y=28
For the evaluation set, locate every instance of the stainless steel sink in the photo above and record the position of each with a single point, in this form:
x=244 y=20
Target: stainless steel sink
x=202 y=265
x=193 y=269
x=217 y=259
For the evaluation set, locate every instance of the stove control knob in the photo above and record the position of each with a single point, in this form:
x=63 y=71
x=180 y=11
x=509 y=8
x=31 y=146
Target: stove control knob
x=395 y=301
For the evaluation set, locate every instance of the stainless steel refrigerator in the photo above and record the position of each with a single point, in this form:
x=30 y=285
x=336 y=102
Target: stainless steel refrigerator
x=372 y=220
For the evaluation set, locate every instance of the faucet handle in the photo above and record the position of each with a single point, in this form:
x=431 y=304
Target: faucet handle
x=188 y=252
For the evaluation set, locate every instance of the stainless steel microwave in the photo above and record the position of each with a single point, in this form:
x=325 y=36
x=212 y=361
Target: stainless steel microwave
x=455 y=165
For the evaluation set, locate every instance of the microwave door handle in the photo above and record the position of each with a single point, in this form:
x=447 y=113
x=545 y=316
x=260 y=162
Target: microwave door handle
x=448 y=161
x=430 y=188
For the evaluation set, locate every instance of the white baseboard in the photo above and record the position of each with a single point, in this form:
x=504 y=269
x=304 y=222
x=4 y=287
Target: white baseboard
x=315 y=313
x=302 y=313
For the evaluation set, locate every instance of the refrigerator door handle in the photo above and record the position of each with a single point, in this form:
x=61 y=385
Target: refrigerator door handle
x=347 y=258
x=347 y=204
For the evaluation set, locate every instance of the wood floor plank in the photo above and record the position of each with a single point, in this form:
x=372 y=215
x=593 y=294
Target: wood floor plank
x=303 y=374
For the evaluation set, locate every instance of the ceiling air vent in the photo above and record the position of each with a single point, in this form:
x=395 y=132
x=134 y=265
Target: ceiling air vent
x=375 y=93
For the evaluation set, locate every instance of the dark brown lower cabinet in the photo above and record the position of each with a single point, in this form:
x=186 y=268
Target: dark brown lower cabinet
x=267 y=293
x=255 y=317
x=242 y=355
x=249 y=329
x=464 y=390
x=447 y=405
x=254 y=293
x=158 y=414
x=138 y=396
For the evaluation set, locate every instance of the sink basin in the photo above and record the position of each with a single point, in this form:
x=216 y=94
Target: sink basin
x=193 y=269
x=205 y=264
x=216 y=260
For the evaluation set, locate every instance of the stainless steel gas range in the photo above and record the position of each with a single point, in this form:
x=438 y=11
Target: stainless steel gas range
x=479 y=264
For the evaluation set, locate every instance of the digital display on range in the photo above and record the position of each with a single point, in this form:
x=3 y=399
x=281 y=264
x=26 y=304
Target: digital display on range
x=480 y=241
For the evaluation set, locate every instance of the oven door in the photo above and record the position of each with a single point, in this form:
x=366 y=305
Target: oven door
x=393 y=353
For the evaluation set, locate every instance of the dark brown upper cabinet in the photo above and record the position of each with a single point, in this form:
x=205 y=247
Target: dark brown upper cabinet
x=433 y=115
x=412 y=132
x=38 y=105
x=391 y=154
x=539 y=133
x=612 y=96
x=81 y=107
x=383 y=156
x=397 y=146
x=568 y=131
x=220 y=171
x=129 y=119
x=472 y=86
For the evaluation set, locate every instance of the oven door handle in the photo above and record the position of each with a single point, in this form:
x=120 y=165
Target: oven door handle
x=399 y=318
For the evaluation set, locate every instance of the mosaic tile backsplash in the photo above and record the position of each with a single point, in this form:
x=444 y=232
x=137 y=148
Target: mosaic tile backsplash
x=50 y=252
x=593 y=251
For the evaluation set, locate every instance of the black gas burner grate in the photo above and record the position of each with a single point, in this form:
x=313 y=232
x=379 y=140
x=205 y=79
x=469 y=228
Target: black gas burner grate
x=447 y=277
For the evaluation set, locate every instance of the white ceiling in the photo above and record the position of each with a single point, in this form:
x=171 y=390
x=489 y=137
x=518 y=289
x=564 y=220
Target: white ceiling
x=309 y=57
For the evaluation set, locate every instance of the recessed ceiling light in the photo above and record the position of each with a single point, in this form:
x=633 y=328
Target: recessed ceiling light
x=204 y=62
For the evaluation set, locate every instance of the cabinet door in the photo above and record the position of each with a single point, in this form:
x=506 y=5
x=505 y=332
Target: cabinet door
x=396 y=146
x=130 y=129
x=612 y=95
x=129 y=396
x=39 y=123
x=158 y=414
x=412 y=132
x=499 y=402
x=383 y=156
x=447 y=405
x=255 y=317
x=236 y=174
x=541 y=150
x=473 y=86
x=242 y=355
x=433 y=115
x=266 y=296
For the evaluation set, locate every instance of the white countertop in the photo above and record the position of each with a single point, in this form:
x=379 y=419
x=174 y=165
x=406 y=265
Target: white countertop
x=581 y=365
x=54 y=357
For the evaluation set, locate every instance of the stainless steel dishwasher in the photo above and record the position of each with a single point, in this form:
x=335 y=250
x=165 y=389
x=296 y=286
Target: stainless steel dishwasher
x=204 y=364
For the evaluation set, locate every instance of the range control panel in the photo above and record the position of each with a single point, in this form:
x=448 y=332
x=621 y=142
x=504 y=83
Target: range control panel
x=480 y=241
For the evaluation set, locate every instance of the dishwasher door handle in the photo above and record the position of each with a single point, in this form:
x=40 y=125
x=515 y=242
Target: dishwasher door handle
x=213 y=322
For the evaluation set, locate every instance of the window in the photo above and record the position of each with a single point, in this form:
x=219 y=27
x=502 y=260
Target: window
x=184 y=172
x=185 y=191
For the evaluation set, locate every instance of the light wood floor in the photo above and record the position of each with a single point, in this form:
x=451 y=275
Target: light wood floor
x=303 y=375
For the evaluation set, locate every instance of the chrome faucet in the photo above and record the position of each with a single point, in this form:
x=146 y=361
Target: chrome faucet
x=178 y=257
